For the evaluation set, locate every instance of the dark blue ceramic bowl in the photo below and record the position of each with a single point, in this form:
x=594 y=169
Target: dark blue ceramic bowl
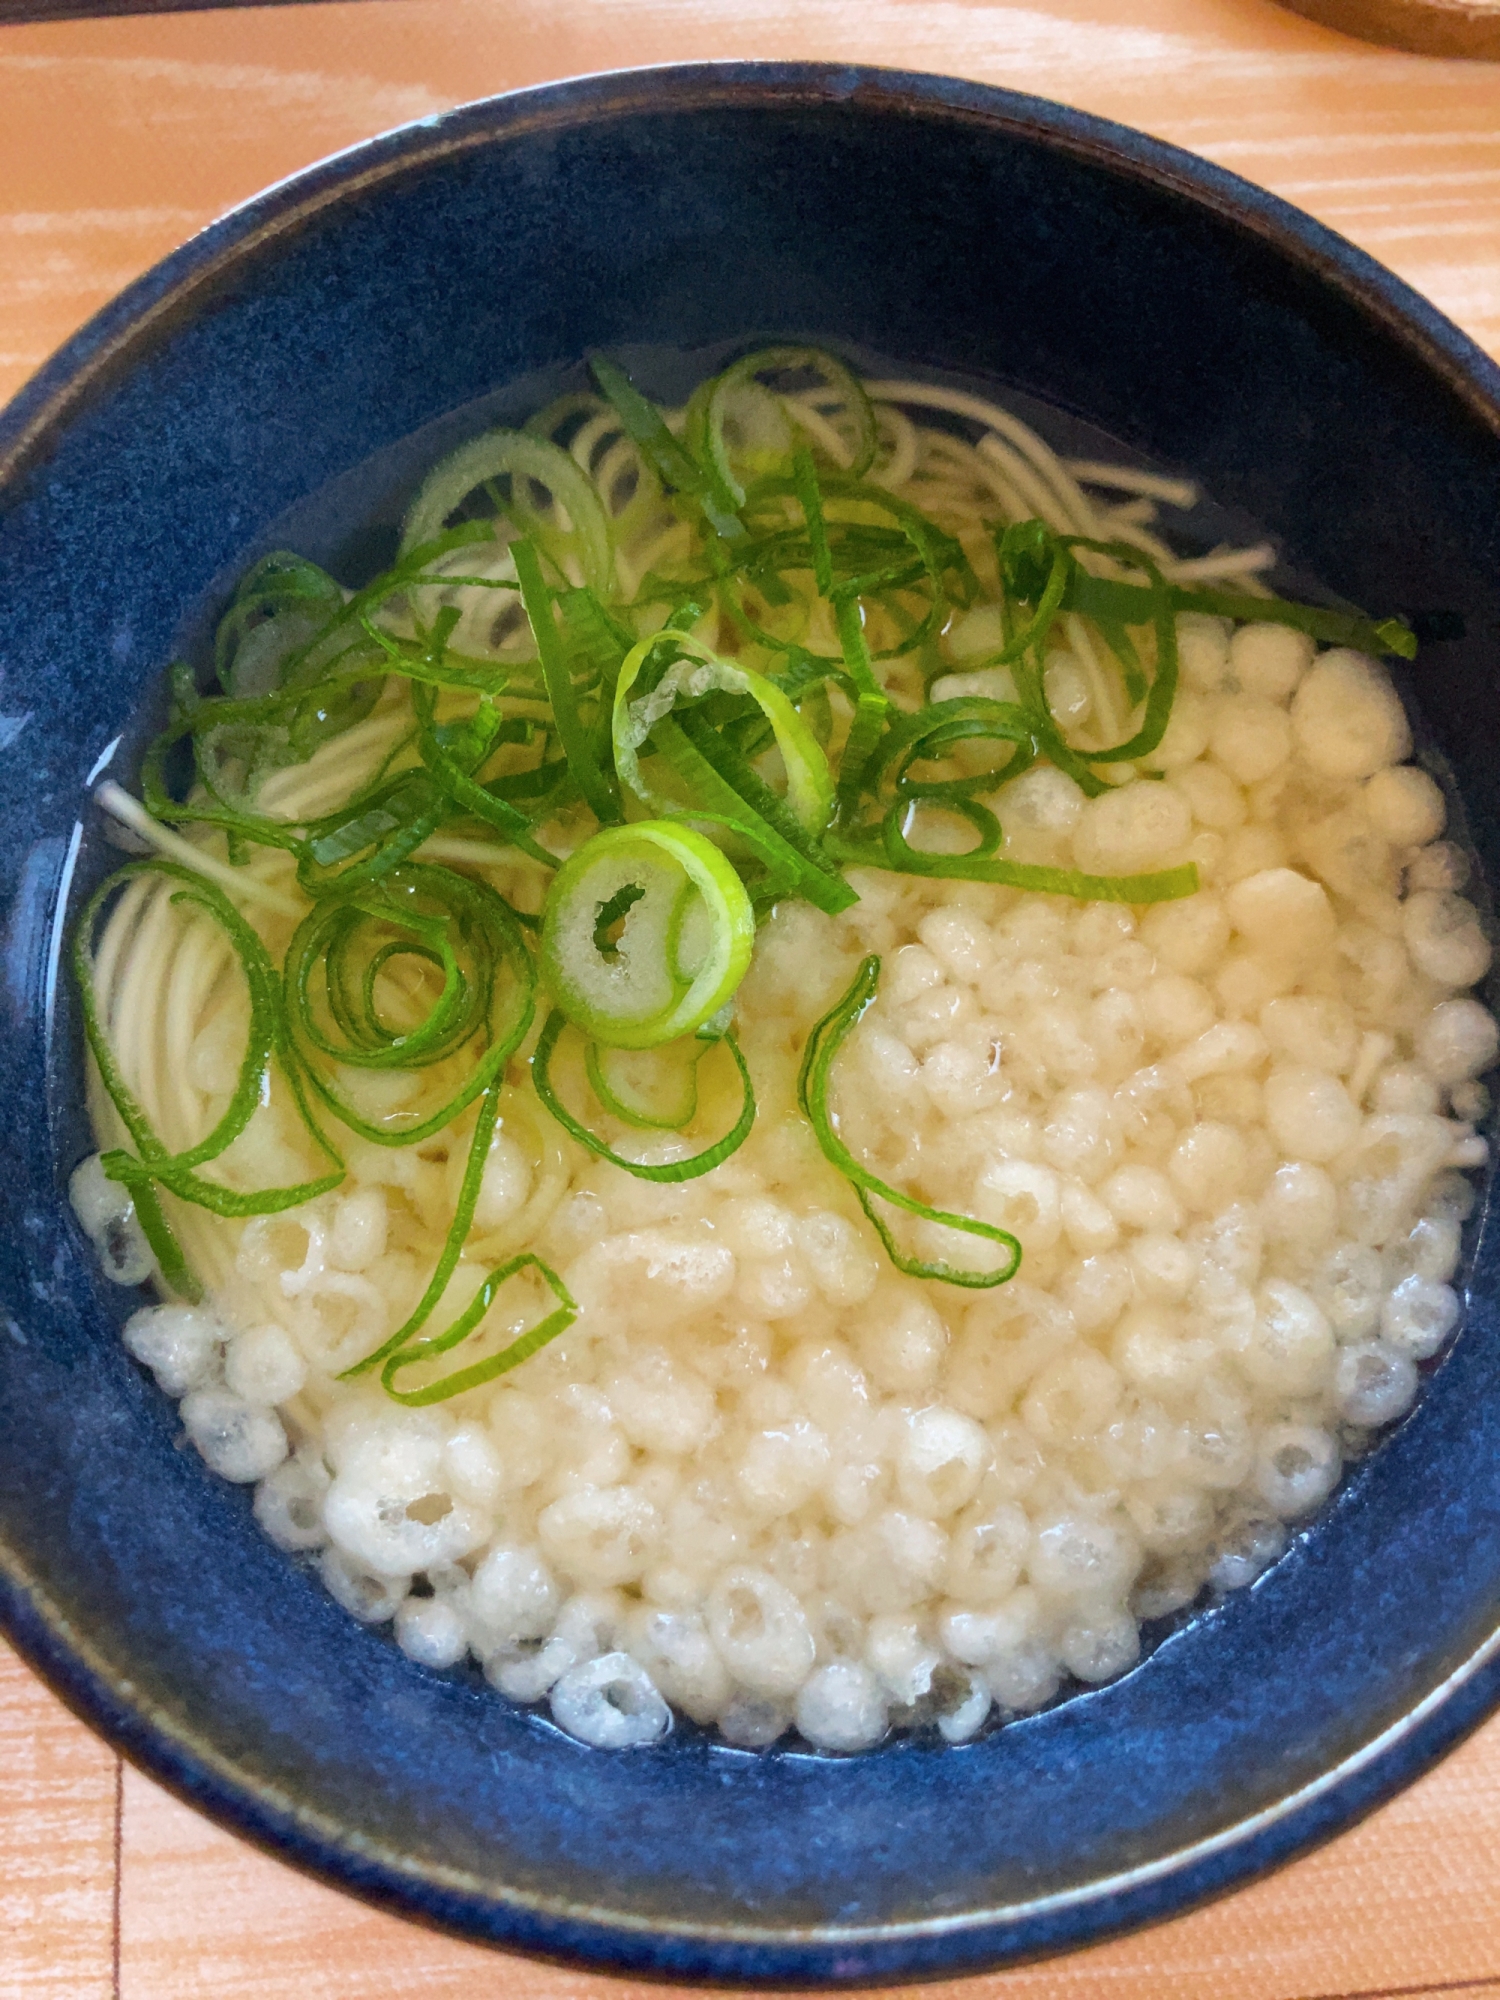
x=1192 y=318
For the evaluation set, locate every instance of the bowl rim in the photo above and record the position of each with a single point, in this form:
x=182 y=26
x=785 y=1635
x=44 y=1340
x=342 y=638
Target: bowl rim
x=604 y=1940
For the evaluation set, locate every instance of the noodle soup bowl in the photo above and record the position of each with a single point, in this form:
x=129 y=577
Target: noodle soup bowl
x=1157 y=307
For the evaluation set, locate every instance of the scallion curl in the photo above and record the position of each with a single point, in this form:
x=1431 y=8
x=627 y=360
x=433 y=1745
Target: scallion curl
x=427 y=1346
x=814 y=1081
x=670 y=1171
x=438 y=922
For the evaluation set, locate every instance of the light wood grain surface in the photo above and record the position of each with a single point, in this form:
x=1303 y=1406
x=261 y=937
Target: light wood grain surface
x=118 y=140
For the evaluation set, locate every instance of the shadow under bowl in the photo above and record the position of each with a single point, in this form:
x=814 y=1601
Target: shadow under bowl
x=1194 y=319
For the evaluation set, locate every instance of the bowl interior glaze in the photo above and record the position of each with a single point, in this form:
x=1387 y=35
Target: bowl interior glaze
x=1204 y=326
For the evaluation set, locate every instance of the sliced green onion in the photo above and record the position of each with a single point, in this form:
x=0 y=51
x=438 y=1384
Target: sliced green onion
x=757 y=814
x=1164 y=886
x=813 y=1084
x=1027 y=548
x=908 y=860
x=674 y=1170
x=479 y=1372
x=278 y=608
x=805 y=474
x=513 y=827
x=866 y=560
x=578 y=746
x=1109 y=602
x=837 y=408
x=933 y=731
x=655 y=1090
x=673 y=461
x=340 y=968
x=684 y=944
x=524 y=460
x=696 y=672
x=1162 y=692
x=740 y=429
x=717 y=784
x=177 y=1276
x=374 y=837
x=598 y=640
x=715 y=801
x=613 y=458
x=1017 y=545
x=458 y=1231
x=872 y=707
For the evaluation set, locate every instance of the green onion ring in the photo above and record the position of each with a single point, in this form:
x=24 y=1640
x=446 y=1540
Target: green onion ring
x=707 y=432
x=641 y=994
x=524 y=458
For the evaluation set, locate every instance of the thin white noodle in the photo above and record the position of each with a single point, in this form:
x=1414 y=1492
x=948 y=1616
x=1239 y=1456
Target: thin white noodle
x=1134 y=514
x=1148 y=544
x=1124 y=479
x=285 y=793
x=1224 y=562
x=130 y=812
x=904 y=447
x=818 y=427
x=1039 y=498
x=1016 y=508
x=142 y=976
x=116 y=939
x=195 y=968
x=155 y=967
x=948 y=474
x=1035 y=449
x=208 y=1242
x=493 y=853
x=951 y=478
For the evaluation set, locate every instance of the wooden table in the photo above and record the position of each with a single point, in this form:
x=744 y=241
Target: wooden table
x=117 y=140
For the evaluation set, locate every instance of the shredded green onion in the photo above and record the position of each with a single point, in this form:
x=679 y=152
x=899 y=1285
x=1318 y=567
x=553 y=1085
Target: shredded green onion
x=600 y=792
x=650 y=1089
x=814 y=1082
x=530 y=463
x=1027 y=545
x=672 y=1170
x=830 y=405
x=676 y=466
x=478 y=1373
x=345 y=1009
